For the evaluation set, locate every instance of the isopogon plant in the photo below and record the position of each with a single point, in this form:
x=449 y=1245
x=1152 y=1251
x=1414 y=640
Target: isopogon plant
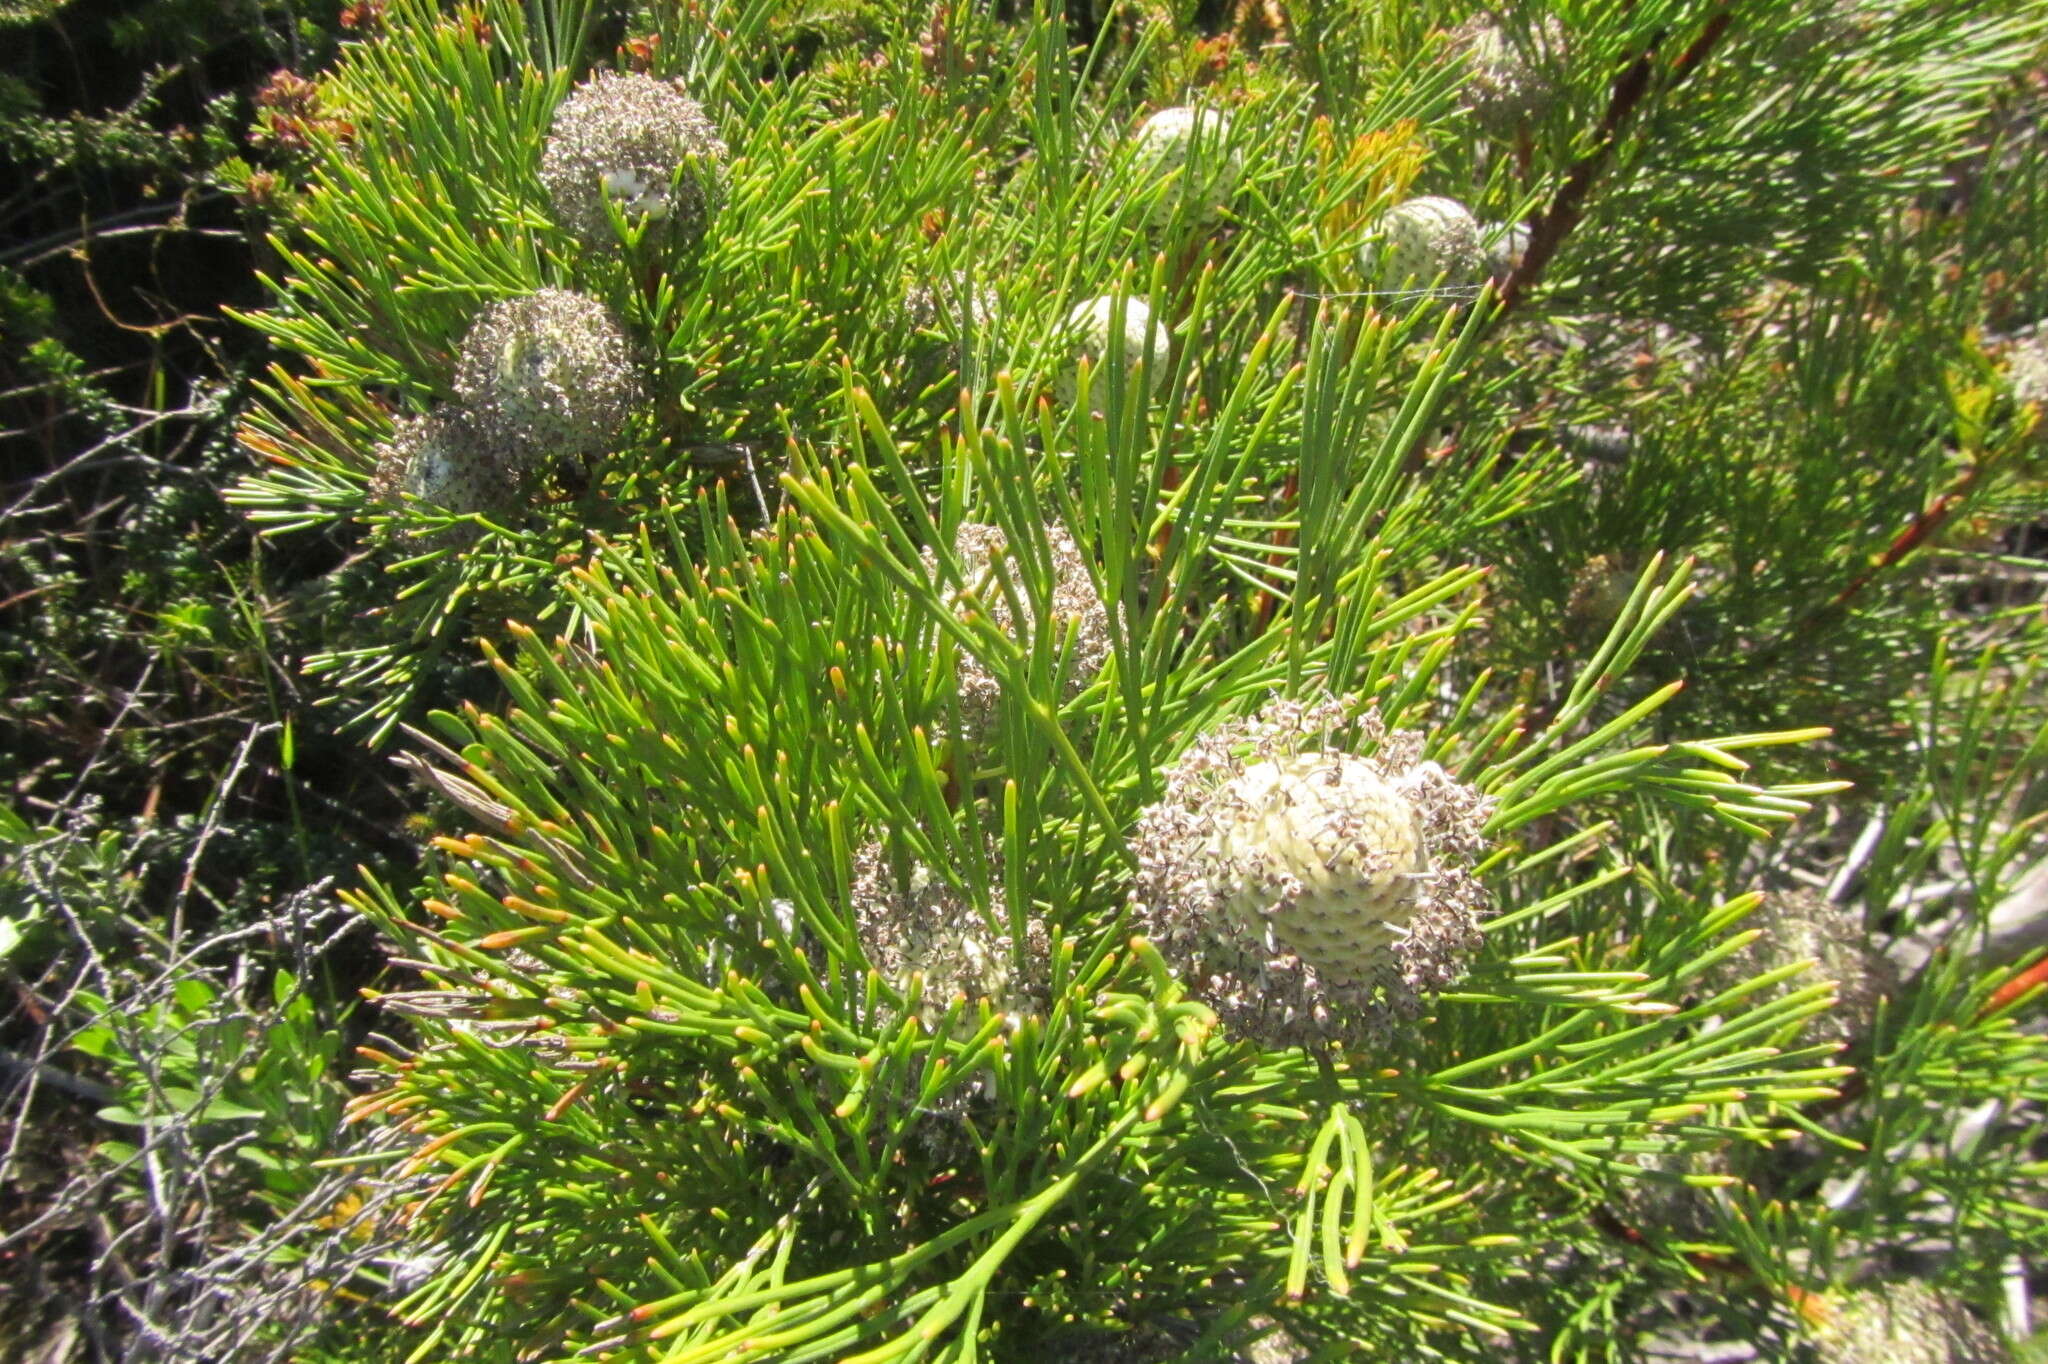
x=1233 y=999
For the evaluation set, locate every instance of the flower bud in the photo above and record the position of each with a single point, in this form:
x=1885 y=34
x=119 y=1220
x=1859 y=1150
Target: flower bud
x=1416 y=242
x=1166 y=143
x=1144 y=349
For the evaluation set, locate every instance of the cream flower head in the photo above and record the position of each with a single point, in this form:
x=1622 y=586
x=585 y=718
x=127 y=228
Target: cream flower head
x=1144 y=349
x=623 y=137
x=1307 y=891
x=1166 y=142
x=549 y=373
x=1075 y=605
x=922 y=924
x=1511 y=82
x=1418 y=240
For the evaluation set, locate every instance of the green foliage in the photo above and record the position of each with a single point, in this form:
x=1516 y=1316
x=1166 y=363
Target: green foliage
x=227 y=1069
x=721 y=785
x=654 y=957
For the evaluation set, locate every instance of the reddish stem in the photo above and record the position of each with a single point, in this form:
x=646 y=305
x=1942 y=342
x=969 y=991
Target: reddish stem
x=1911 y=538
x=2029 y=979
x=1551 y=228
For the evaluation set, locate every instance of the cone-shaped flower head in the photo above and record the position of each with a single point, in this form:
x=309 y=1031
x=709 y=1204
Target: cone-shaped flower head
x=1599 y=592
x=1304 y=890
x=1144 y=349
x=922 y=924
x=1325 y=850
x=1804 y=925
x=1906 y=1323
x=919 y=923
x=442 y=460
x=1075 y=606
x=1511 y=82
x=1194 y=143
x=548 y=374
x=624 y=138
x=1416 y=241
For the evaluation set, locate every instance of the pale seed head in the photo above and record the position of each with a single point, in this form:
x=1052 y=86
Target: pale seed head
x=1662 y=1207
x=921 y=923
x=2026 y=367
x=1600 y=590
x=1504 y=245
x=946 y=321
x=959 y=309
x=1320 y=851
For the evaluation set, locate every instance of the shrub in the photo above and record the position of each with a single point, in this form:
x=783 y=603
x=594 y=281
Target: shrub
x=1327 y=902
